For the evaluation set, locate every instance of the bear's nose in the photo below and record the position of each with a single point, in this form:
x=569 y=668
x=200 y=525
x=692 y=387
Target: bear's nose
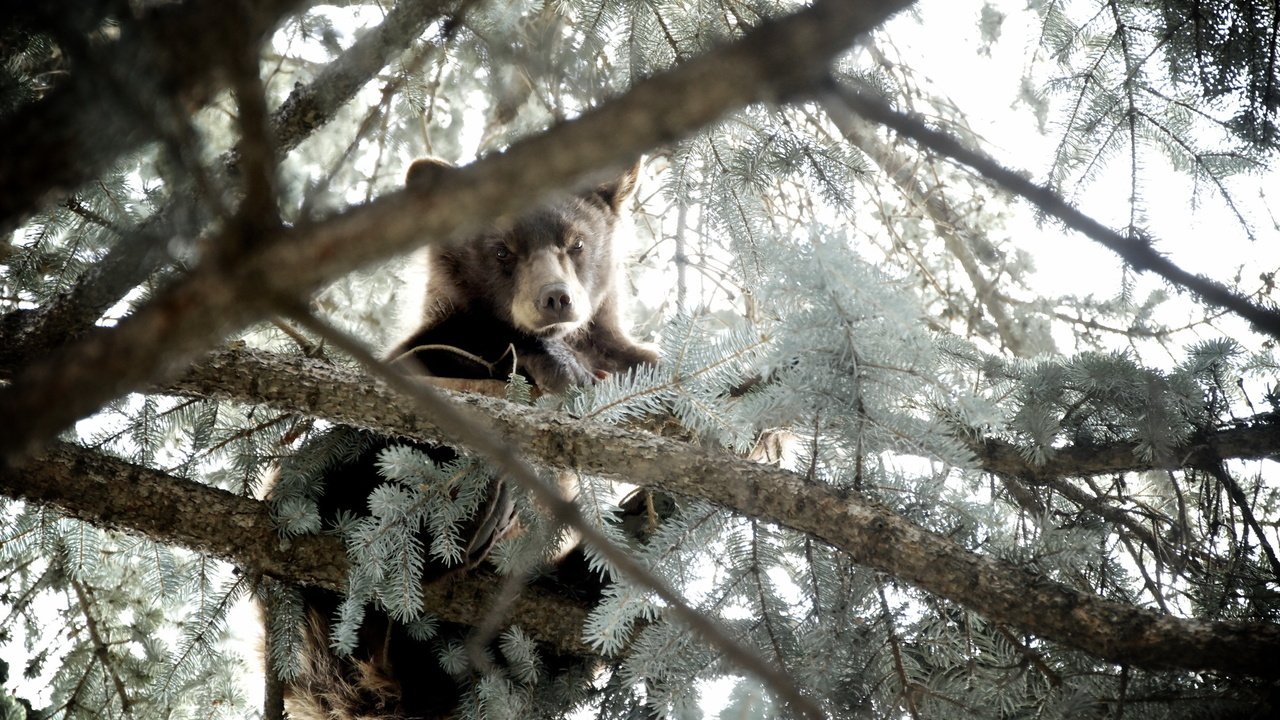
x=554 y=300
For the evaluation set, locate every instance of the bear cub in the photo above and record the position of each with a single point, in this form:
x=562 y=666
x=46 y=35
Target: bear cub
x=540 y=294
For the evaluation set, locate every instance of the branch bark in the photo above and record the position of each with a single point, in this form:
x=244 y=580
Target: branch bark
x=1249 y=440
x=90 y=486
x=871 y=534
x=226 y=292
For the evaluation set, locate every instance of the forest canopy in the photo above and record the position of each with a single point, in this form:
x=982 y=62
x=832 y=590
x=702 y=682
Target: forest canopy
x=967 y=400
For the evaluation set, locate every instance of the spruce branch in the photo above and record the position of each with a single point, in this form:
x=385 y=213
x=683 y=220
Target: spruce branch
x=956 y=231
x=1136 y=251
x=1253 y=439
x=778 y=60
x=910 y=690
x=869 y=533
x=101 y=650
x=1219 y=473
x=119 y=495
x=311 y=107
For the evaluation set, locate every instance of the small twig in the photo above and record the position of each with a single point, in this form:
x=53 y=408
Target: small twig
x=100 y=646
x=895 y=645
x=1032 y=656
x=468 y=431
x=1219 y=472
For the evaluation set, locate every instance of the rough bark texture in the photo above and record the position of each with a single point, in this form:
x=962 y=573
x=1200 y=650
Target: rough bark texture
x=309 y=108
x=115 y=494
x=225 y=293
x=868 y=532
x=1248 y=441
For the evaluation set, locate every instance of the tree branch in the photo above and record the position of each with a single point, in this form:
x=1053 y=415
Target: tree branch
x=472 y=432
x=959 y=235
x=1248 y=440
x=90 y=486
x=309 y=108
x=775 y=61
x=871 y=534
x=1136 y=251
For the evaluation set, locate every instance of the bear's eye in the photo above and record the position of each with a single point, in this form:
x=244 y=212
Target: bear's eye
x=501 y=252
x=575 y=245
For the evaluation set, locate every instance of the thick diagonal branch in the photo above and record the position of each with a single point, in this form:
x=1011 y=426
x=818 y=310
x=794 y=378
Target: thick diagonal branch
x=180 y=52
x=871 y=534
x=141 y=252
x=775 y=61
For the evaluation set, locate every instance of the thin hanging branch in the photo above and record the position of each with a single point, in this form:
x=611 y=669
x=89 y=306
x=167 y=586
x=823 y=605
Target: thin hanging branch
x=1136 y=251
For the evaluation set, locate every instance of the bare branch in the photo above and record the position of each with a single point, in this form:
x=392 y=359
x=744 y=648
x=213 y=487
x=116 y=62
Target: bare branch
x=1137 y=251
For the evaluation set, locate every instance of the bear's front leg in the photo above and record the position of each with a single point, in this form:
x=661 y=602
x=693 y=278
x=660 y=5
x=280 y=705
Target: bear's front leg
x=555 y=366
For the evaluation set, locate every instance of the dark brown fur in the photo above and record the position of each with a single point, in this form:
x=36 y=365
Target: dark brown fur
x=545 y=287
x=540 y=294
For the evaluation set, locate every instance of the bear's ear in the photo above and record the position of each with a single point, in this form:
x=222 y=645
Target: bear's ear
x=425 y=172
x=616 y=191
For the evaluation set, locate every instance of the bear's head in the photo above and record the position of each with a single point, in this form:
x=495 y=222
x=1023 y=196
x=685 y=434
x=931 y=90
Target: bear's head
x=546 y=272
